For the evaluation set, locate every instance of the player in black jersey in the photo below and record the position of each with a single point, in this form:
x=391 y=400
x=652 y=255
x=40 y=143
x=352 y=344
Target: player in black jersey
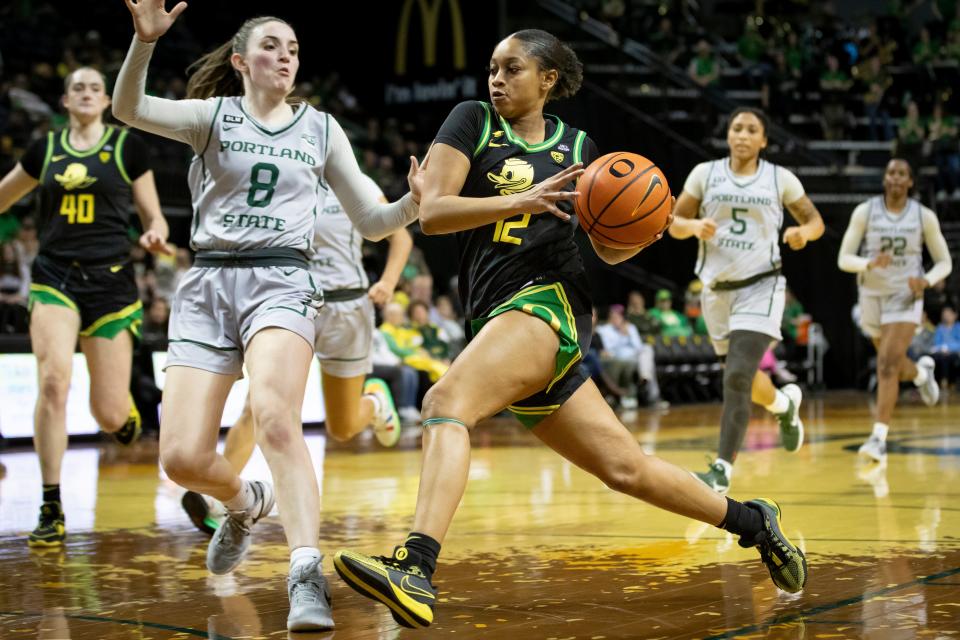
x=500 y=175
x=91 y=177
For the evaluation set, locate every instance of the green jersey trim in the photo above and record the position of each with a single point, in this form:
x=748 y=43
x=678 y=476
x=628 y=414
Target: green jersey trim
x=47 y=155
x=296 y=118
x=118 y=155
x=65 y=141
x=578 y=146
x=540 y=146
x=485 y=133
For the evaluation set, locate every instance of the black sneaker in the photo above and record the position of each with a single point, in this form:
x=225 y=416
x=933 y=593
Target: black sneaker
x=131 y=429
x=786 y=563
x=51 y=530
x=198 y=510
x=397 y=582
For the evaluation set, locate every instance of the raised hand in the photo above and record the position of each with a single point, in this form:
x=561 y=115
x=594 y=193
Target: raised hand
x=151 y=19
x=543 y=197
x=415 y=175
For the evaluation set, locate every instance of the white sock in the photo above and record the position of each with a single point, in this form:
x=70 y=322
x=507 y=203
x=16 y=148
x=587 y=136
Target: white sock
x=375 y=399
x=922 y=375
x=727 y=467
x=304 y=554
x=244 y=500
x=781 y=402
x=880 y=430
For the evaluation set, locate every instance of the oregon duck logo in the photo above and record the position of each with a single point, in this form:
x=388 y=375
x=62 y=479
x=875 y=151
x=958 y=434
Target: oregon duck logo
x=75 y=177
x=515 y=176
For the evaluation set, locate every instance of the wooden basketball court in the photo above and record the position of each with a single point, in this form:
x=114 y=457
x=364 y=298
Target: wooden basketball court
x=538 y=549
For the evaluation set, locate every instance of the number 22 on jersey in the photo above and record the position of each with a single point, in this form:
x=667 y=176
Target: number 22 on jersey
x=78 y=207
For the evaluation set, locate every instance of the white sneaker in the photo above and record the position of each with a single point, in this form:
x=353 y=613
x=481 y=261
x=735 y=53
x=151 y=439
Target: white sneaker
x=309 y=599
x=930 y=390
x=791 y=426
x=874 y=448
x=386 y=422
x=232 y=538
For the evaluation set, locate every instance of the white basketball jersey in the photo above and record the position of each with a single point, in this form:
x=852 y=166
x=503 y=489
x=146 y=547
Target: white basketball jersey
x=748 y=212
x=900 y=235
x=256 y=187
x=338 y=257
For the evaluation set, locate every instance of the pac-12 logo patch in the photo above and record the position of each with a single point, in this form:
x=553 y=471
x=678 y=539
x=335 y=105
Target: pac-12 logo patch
x=557 y=157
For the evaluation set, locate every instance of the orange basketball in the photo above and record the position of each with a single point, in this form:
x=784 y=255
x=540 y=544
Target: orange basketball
x=624 y=200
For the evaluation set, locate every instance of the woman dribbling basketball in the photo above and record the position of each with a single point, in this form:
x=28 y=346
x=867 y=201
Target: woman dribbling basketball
x=499 y=176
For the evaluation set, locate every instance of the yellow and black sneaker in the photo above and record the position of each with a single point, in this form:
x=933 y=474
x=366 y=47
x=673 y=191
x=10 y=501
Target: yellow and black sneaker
x=51 y=530
x=786 y=563
x=397 y=582
x=131 y=429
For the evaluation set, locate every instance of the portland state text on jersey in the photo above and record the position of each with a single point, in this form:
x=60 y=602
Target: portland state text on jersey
x=256 y=148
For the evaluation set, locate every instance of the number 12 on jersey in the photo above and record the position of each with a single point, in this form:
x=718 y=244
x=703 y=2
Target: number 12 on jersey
x=502 y=231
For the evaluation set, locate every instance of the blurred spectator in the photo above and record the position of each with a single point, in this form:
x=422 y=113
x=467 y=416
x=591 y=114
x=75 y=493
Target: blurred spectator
x=450 y=325
x=407 y=343
x=910 y=136
x=704 y=69
x=637 y=315
x=876 y=80
x=672 y=324
x=626 y=358
x=664 y=41
x=922 y=343
x=834 y=84
x=156 y=319
x=403 y=380
x=946 y=346
x=14 y=289
x=751 y=48
x=434 y=339
x=612 y=392
x=937 y=297
x=692 y=308
x=942 y=135
x=28 y=245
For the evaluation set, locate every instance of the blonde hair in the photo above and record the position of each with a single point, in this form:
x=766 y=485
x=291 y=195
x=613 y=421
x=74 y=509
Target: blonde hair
x=213 y=74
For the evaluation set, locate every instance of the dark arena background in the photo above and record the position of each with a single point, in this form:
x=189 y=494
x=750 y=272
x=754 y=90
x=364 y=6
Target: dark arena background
x=539 y=548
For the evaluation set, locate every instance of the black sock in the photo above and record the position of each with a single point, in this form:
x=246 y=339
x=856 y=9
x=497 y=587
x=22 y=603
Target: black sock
x=742 y=520
x=51 y=493
x=427 y=548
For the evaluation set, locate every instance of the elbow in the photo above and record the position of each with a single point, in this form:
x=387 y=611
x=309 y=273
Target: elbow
x=121 y=112
x=428 y=220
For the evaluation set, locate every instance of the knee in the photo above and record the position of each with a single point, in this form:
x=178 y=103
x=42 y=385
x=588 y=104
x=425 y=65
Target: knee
x=888 y=366
x=737 y=380
x=54 y=386
x=440 y=401
x=625 y=476
x=276 y=427
x=341 y=429
x=182 y=466
x=110 y=415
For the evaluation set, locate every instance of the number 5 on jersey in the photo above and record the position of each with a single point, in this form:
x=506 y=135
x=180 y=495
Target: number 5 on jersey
x=77 y=207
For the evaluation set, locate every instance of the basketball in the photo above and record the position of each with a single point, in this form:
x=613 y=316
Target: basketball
x=624 y=200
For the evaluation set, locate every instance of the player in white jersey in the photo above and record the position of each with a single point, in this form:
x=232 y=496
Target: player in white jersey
x=734 y=207
x=250 y=296
x=893 y=229
x=345 y=326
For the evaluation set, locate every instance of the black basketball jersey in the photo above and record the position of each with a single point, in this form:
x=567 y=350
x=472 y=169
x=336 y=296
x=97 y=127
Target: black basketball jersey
x=499 y=259
x=85 y=200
